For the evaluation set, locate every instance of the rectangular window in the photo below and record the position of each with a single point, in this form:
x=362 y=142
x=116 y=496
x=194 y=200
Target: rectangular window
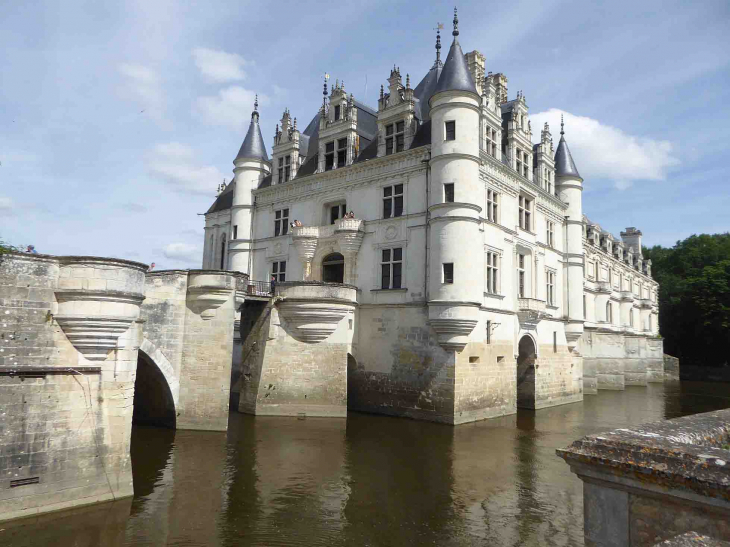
x=341 y=152
x=287 y=168
x=525 y=213
x=393 y=201
x=278 y=271
x=521 y=276
x=550 y=293
x=550 y=234
x=448 y=272
x=492 y=272
x=491 y=142
x=631 y=318
x=281 y=222
x=329 y=156
x=584 y=306
x=389 y=139
x=449 y=192
x=609 y=312
x=395 y=138
x=235 y=232
x=391 y=268
x=337 y=112
x=281 y=170
x=450 y=131
x=555 y=342
x=337 y=212
x=400 y=136
x=489 y=331
x=519 y=160
x=492 y=204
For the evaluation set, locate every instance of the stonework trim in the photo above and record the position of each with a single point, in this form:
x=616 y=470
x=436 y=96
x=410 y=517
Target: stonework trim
x=155 y=355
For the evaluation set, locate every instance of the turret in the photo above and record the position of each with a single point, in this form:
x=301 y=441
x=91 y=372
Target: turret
x=569 y=186
x=250 y=166
x=456 y=281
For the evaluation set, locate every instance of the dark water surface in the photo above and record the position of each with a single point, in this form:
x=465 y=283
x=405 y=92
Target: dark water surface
x=367 y=480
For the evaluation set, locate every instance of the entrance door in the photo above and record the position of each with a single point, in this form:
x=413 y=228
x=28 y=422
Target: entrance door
x=526 y=373
x=333 y=268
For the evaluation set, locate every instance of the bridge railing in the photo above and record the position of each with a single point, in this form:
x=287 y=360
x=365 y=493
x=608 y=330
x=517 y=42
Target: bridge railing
x=259 y=288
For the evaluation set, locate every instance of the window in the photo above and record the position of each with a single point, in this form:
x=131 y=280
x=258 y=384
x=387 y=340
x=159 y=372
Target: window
x=395 y=135
x=609 y=312
x=492 y=272
x=549 y=181
x=281 y=222
x=391 y=268
x=492 y=204
x=449 y=192
x=287 y=168
x=523 y=162
x=489 y=331
x=525 y=213
x=631 y=318
x=337 y=211
x=584 y=306
x=491 y=142
x=393 y=201
x=278 y=271
x=341 y=152
x=450 y=131
x=329 y=156
x=337 y=112
x=521 y=275
x=448 y=272
x=235 y=232
x=555 y=342
x=550 y=234
x=550 y=293
x=281 y=170
x=519 y=161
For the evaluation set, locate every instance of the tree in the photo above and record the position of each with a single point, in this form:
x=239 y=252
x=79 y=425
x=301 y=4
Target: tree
x=694 y=298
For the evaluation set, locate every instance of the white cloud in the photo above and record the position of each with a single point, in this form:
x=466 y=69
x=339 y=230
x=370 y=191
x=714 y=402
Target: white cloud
x=219 y=66
x=145 y=86
x=174 y=163
x=6 y=205
x=184 y=252
x=230 y=108
x=605 y=152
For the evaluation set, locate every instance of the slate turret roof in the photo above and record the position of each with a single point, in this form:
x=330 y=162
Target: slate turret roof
x=564 y=164
x=455 y=75
x=253 y=145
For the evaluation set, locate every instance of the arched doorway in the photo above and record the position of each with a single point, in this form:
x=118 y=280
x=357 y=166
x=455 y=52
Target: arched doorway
x=153 y=402
x=526 y=373
x=333 y=268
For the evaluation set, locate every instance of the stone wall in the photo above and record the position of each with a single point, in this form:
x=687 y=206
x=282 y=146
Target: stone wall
x=613 y=360
x=655 y=481
x=671 y=368
x=68 y=355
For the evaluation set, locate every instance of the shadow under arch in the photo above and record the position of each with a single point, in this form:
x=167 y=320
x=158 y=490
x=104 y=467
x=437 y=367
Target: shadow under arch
x=526 y=373
x=153 y=399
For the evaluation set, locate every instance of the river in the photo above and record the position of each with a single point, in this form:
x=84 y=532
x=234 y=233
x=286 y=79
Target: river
x=367 y=480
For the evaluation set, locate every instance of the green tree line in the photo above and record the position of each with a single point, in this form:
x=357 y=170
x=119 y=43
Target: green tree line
x=694 y=298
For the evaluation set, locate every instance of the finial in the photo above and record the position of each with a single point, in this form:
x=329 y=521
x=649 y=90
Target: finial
x=456 y=24
x=343 y=85
x=439 y=26
x=255 y=113
x=256 y=103
x=324 y=92
x=562 y=125
x=408 y=81
x=381 y=91
x=295 y=124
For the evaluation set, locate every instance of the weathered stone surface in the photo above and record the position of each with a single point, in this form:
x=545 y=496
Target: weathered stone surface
x=692 y=539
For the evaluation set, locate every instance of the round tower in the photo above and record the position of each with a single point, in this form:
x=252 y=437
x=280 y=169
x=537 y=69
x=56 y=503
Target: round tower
x=569 y=185
x=456 y=278
x=251 y=166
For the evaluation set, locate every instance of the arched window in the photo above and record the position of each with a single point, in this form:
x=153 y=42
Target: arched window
x=223 y=252
x=333 y=268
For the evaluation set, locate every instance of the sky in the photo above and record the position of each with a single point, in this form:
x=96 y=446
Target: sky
x=118 y=120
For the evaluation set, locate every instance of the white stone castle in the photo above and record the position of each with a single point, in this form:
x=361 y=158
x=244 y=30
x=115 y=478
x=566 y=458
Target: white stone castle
x=477 y=283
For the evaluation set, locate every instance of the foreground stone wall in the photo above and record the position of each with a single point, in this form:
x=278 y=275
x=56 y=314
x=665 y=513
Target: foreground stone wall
x=653 y=482
x=68 y=355
x=614 y=360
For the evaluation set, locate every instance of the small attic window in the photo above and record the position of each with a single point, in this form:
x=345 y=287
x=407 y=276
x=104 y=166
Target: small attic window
x=337 y=112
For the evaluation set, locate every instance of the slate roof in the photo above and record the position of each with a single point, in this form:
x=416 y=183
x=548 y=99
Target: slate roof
x=424 y=90
x=224 y=200
x=564 y=164
x=455 y=75
x=253 y=145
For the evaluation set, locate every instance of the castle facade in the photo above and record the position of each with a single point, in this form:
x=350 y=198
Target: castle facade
x=429 y=259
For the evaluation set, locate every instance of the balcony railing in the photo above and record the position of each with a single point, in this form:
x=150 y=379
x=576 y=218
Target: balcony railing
x=340 y=225
x=531 y=304
x=259 y=288
x=603 y=286
x=645 y=303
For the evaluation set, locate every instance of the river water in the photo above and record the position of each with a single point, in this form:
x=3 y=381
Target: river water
x=366 y=480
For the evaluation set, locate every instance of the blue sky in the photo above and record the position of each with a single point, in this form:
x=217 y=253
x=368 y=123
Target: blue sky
x=119 y=119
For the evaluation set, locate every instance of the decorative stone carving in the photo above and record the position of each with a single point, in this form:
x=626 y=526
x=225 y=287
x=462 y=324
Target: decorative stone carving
x=207 y=292
x=453 y=334
x=530 y=312
x=306 y=247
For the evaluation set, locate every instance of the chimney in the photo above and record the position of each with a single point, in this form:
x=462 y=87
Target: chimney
x=632 y=238
x=475 y=62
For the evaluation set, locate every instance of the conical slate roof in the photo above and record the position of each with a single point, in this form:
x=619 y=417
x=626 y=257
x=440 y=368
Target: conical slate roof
x=455 y=75
x=425 y=90
x=253 y=145
x=564 y=164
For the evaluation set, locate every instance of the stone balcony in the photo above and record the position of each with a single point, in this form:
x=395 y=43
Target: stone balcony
x=627 y=296
x=603 y=287
x=645 y=303
x=530 y=311
x=313 y=243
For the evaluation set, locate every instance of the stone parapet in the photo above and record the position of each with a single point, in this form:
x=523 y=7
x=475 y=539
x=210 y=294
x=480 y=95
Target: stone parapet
x=655 y=481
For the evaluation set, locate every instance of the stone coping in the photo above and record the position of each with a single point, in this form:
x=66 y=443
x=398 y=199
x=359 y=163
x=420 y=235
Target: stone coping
x=692 y=539
x=683 y=453
x=285 y=284
x=31 y=369
x=69 y=259
x=211 y=272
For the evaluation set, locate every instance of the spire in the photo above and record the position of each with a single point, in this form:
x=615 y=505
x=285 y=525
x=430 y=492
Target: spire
x=455 y=75
x=438 y=62
x=253 y=145
x=564 y=164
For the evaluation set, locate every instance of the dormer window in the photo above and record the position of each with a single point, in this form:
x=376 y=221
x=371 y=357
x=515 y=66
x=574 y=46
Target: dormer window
x=341 y=152
x=281 y=170
x=394 y=138
x=337 y=112
x=329 y=156
x=287 y=168
x=491 y=142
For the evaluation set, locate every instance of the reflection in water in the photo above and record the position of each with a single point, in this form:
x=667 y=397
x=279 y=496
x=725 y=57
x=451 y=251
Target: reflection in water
x=367 y=480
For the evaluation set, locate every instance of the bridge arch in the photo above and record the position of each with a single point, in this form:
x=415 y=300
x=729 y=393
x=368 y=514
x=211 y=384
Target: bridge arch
x=156 y=388
x=526 y=362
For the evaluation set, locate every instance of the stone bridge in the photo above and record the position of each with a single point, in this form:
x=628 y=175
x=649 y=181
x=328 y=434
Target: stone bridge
x=87 y=346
